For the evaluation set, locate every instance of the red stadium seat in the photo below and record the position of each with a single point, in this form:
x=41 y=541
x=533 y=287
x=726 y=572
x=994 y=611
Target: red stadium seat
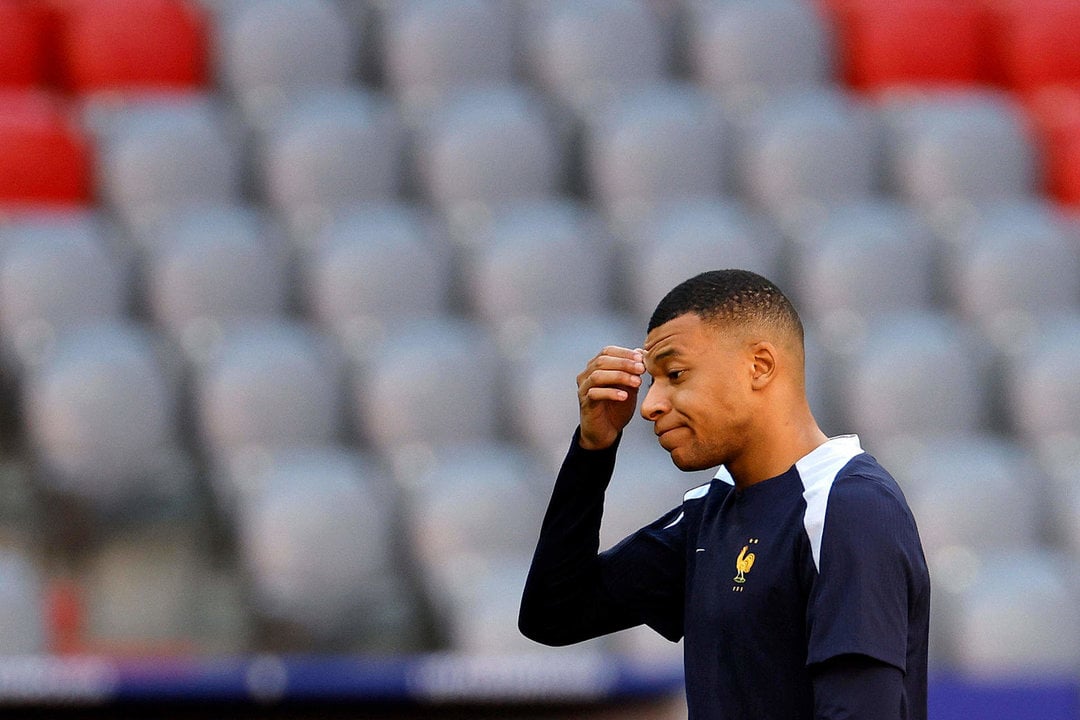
x=123 y=45
x=1055 y=111
x=22 y=45
x=884 y=43
x=44 y=157
x=1034 y=42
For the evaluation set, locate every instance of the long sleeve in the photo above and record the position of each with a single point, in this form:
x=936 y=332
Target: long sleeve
x=574 y=593
x=857 y=687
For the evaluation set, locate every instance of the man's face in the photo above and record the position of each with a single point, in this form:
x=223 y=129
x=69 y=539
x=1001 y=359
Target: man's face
x=700 y=398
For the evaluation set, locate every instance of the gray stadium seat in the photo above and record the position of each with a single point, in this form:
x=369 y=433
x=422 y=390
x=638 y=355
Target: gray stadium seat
x=429 y=381
x=153 y=591
x=744 y=51
x=483 y=148
x=657 y=143
x=329 y=150
x=1042 y=380
x=431 y=48
x=956 y=147
x=913 y=374
x=1013 y=262
x=1014 y=614
x=861 y=260
x=456 y=501
x=585 y=52
x=473 y=555
x=270 y=50
x=57 y=271
x=22 y=618
x=373 y=266
x=159 y=153
x=101 y=419
x=1059 y=457
x=315 y=536
x=269 y=384
x=808 y=150
x=980 y=492
x=542 y=407
x=678 y=239
x=213 y=266
x=536 y=261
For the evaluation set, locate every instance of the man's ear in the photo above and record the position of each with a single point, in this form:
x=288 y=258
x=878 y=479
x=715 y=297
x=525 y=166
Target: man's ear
x=763 y=357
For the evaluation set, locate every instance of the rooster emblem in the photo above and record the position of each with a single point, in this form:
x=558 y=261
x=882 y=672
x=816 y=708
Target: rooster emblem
x=743 y=564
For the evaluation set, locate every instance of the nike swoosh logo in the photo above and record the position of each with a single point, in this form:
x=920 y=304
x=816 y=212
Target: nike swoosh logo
x=701 y=549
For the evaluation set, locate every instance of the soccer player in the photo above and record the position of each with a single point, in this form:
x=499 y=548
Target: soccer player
x=796 y=577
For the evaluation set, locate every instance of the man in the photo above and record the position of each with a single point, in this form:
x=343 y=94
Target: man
x=800 y=586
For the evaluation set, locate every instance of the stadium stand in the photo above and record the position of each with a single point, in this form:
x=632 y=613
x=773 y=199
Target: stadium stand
x=659 y=143
x=45 y=157
x=293 y=294
x=433 y=49
x=746 y=51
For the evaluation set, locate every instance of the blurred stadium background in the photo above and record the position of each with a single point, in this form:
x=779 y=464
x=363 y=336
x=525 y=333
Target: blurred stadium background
x=293 y=293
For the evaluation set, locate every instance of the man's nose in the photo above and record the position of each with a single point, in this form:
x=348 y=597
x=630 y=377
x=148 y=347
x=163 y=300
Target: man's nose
x=655 y=403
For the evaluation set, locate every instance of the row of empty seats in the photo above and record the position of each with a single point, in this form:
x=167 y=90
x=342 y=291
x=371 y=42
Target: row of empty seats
x=294 y=368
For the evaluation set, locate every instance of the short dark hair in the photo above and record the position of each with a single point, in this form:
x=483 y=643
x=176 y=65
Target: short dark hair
x=730 y=296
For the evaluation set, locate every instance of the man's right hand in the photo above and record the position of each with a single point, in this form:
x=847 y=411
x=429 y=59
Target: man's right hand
x=607 y=395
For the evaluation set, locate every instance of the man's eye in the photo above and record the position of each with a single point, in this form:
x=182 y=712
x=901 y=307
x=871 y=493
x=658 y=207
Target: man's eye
x=674 y=375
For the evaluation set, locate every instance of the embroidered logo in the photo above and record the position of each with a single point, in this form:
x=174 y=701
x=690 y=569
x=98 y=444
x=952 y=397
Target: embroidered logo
x=744 y=562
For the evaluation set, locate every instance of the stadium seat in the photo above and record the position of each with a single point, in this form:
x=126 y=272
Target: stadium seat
x=211 y=267
x=268 y=384
x=45 y=158
x=101 y=419
x=964 y=491
x=374 y=266
x=585 y=52
x=160 y=153
x=958 y=146
x=145 y=591
x=23 y=625
x=662 y=142
x=24 y=46
x=542 y=410
x=744 y=51
x=916 y=42
x=1042 y=380
x=1059 y=456
x=429 y=381
x=315 y=538
x=468 y=485
x=536 y=261
x=1010 y=263
x=132 y=45
x=329 y=150
x=676 y=240
x=913 y=374
x=1032 y=44
x=431 y=49
x=1055 y=114
x=268 y=52
x=862 y=260
x=484 y=148
x=56 y=273
x=808 y=150
x=1016 y=616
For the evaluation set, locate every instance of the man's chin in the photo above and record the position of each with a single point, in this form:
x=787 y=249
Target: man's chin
x=686 y=461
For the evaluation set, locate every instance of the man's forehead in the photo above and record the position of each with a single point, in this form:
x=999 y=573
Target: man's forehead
x=674 y=330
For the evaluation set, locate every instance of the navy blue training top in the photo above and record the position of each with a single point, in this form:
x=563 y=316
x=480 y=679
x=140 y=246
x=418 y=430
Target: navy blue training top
x=765 y=584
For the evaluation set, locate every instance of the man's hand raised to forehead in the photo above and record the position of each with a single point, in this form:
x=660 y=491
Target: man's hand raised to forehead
x=607 y=394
